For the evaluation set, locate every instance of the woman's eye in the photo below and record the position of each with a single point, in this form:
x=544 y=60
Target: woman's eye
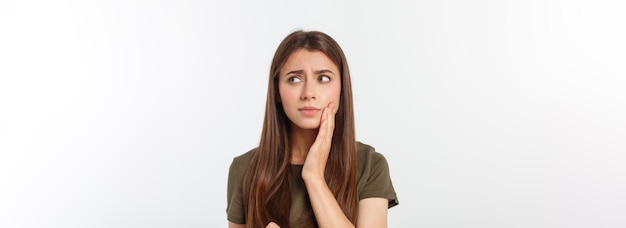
x=324 y=78
x=294 y=79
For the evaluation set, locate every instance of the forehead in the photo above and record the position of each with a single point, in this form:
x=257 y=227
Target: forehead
x=303 y=59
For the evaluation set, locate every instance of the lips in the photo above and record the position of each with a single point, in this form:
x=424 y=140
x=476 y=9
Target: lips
x=309 y=110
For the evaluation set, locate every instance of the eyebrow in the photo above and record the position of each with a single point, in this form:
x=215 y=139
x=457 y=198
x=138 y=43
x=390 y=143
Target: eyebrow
x=316 y=72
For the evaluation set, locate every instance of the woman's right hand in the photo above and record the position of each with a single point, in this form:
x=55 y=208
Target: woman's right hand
x=316 y=159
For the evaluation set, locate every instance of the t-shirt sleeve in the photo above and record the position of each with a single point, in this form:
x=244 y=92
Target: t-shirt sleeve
x=378 y=181
x=235 y=209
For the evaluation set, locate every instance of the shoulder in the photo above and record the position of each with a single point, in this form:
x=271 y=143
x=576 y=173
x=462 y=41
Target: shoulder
x=373 y=178
x=245 y=158
x=367 y=155
x=240 y=164
x=370 y=162
x=235 y=206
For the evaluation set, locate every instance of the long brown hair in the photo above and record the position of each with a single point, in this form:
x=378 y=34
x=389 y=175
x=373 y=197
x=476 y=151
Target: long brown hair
x=266 y=183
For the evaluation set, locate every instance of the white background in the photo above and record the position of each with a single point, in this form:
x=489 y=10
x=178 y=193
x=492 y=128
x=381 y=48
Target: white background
x=490 y=113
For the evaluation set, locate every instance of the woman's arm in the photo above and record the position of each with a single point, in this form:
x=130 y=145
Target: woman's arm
x=372 y=212
x=325 y=206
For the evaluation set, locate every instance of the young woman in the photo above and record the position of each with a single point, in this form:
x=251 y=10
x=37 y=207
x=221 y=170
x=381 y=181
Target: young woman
x=308 y=170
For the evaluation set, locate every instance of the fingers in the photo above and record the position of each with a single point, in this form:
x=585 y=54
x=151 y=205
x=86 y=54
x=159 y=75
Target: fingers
x=315 y=162
x=330 y=122
x=272 y=225
x=327 y=125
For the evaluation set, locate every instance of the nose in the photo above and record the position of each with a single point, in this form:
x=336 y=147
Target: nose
x=308 y=91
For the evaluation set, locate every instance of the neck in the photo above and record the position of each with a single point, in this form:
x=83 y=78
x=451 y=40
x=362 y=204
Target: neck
x=300 y=143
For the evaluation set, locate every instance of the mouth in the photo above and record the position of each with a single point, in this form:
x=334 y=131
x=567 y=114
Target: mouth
x=309 y=111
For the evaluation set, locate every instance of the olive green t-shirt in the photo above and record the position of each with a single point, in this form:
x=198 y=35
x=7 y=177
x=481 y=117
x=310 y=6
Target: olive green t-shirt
x=373 y=180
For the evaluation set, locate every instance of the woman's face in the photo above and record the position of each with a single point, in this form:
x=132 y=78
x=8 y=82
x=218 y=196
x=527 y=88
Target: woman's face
x=307 y=83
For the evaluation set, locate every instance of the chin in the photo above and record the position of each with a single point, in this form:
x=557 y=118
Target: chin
x=308 y=125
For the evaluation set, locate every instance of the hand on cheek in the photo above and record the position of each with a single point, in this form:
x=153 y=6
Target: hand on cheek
x=317 y=157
